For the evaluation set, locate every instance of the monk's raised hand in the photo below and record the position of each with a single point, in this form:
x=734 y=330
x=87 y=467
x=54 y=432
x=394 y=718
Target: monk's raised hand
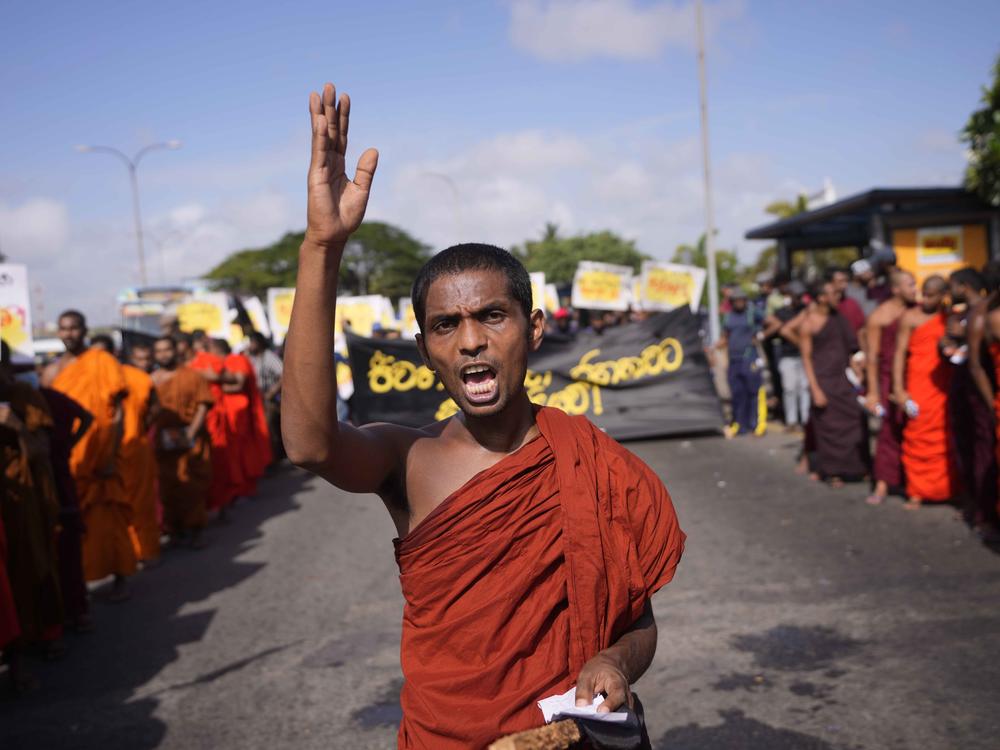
x=602 y=674
x=336 y=204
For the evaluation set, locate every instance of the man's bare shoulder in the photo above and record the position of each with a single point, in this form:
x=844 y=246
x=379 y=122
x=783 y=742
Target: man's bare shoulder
x=51 y=371
x=913 y=318
x=885 y=314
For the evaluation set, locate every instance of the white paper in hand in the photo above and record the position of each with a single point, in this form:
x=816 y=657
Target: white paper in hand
x=565 y=704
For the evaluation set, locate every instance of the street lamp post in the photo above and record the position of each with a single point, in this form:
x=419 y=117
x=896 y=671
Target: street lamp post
x=713 y=279
x=132 y=165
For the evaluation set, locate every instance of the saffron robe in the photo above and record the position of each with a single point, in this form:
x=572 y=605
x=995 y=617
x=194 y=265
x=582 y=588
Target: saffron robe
x=523 y=574
x=138 y=464
x=840 y=429
x=30 y=509
x=888 y=464
x=227 y=468
x=247 y=424
x=95 y=380
x=185 y=474
x=69 y=537
x=931 y=472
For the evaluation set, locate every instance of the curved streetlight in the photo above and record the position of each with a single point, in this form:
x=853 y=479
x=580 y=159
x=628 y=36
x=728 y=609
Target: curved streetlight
x=132 y=164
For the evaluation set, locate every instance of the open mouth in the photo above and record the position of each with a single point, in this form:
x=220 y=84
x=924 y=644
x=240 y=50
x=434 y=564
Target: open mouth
x=480 y=383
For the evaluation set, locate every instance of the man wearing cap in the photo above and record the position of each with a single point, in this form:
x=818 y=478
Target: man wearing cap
x=741 y=330
x=858 y=289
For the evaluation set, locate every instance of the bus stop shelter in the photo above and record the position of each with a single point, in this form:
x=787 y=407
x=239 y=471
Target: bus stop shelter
x=931 y=230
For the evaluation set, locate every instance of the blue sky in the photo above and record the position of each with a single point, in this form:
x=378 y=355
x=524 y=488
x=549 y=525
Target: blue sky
x=583 y=113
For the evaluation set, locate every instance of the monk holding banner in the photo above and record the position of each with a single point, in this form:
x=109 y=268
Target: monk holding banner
x=183 y=449
x=530 y=543
x=921 y=379
x=95 y=380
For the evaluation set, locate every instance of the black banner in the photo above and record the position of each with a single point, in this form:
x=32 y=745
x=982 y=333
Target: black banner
x=638 y=380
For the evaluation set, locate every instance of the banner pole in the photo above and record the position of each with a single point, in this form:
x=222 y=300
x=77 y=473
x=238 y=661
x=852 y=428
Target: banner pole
x=713 y=280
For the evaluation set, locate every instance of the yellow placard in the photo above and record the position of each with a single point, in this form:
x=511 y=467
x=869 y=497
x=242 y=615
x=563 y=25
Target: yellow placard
x=668 y=287
x=202 y=315
x=939 y=245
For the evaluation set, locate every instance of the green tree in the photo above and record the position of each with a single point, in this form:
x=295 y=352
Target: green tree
x=558 y=256
x=379 y=259
x=982 y=137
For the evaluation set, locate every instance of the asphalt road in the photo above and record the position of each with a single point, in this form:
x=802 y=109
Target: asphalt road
x=799 y=618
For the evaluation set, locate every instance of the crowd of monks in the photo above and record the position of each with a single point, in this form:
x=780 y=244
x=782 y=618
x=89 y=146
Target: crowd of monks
x=926 y=364
x=106 y=460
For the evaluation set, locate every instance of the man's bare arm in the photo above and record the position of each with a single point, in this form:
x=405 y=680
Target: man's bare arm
x=806 y=349
x=899 y=360
x=197 y=422
x=620 y=665
x=357 y=460
x=874 y=335
x=234 y=382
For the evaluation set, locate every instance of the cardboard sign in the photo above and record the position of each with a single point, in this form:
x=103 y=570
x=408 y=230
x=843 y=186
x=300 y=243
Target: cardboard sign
x=408 y=327
x=279 y=311
x=667 y=286
x=364 y=313
x=937 y=246
x=258 y=318
x=15 y=313
x=601 y=286
x=537 y=290
x=206 y=312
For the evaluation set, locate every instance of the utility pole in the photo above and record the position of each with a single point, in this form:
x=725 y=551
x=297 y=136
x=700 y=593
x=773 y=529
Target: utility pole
x=713 y=278
x=132 y=165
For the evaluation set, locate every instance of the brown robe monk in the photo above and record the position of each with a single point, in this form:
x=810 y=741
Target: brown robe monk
x=185 y=470
x=138 y=464
x=523 y=574
x=95 y=380
x=30 y=509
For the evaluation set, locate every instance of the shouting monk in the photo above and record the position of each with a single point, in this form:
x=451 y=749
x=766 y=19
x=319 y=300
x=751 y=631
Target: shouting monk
x=183 y=450
x=881 y=335
x=529 y=543
x=921 y=379
x=95 y=380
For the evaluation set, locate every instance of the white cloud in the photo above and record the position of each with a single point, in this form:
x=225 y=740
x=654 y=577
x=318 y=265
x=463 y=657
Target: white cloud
x=508 y=187
x=34 y=230
x=575 y=30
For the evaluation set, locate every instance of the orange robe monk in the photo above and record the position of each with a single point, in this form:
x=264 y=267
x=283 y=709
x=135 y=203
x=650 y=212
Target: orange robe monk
x=247 y=424
x=185 y=470
x=227 y=468
x=29 y=508
x=138 y=464
x=931 y=472
x=522 y=575
x=96 y=381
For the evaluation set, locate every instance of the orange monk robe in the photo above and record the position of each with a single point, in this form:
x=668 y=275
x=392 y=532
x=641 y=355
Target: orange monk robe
x=29 y=508
x=247 y=423
x=10 y=628
x=95 y=380
x=227 y=469
x=138 y=465
x=185 y=475
x=931 y=472
x=523 y=574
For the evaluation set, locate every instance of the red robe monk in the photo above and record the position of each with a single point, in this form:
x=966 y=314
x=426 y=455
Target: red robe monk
x=522 y=575
x=95 y=379
x=10 y=629
x=245 y=421
x=139 y=464
x=928 y=462
x=529 y=542
x=227 y=468
x=183 y=447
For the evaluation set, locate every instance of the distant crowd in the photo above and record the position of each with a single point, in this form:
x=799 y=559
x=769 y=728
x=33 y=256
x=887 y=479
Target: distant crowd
x=865 y=351
x=107 y=461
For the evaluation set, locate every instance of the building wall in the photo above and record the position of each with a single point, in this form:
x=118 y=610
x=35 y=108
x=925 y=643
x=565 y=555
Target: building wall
x=940 y=250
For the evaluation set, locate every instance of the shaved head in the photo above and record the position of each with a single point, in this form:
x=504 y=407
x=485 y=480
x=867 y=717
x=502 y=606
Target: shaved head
x=934 y=285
